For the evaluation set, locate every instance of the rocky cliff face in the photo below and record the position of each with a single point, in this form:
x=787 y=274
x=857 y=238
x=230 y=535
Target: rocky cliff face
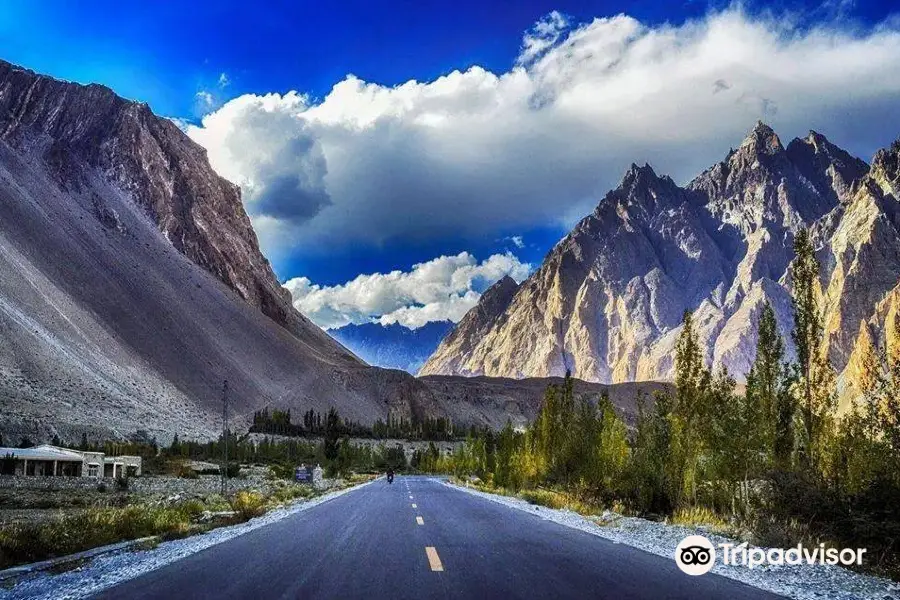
x=607 y=301
x=463 y=338
x=79 y=130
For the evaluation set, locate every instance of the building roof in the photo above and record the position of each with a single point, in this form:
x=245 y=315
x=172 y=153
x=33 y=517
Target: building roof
x=43 y=452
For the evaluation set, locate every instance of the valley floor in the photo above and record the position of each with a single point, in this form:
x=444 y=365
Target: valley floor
x=421 y=537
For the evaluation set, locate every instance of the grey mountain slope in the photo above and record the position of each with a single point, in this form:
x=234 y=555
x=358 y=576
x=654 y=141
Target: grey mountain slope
x=104 y=323
x=80 y=130
x=132 y=283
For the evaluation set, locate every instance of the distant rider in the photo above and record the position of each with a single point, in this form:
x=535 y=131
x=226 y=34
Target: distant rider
x=390 y=475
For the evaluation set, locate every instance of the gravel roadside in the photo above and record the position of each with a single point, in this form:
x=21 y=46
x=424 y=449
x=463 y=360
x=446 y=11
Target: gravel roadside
x=804 y=582
x=111 y=569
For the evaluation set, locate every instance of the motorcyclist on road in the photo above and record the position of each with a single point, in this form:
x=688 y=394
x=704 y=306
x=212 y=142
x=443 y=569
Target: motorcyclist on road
x=390 y=475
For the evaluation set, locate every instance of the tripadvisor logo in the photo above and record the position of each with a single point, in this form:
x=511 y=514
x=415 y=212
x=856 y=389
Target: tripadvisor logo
x=696 y=555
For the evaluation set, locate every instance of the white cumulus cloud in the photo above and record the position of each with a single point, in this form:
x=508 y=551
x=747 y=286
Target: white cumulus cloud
x=440 y=289
x=477 y=153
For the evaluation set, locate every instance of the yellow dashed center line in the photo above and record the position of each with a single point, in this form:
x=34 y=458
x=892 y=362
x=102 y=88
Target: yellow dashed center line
x=410 y=497
x=414 y=506
x=434 y=560
x=420 y=520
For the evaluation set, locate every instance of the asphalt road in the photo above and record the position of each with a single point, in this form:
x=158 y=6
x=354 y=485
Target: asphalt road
x=374 y=543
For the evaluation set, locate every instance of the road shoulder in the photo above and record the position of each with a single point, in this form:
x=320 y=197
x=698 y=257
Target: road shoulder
x=114 y=568
x=805 y=582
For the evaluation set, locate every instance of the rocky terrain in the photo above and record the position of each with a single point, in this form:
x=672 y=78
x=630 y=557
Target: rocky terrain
x=472 y=328
x=607 y=302
x=392 y=346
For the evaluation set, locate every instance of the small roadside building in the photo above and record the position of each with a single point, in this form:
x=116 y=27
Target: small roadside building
x=48 y=461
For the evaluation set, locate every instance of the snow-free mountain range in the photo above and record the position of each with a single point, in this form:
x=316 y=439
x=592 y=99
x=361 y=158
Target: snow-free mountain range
x=608 y=300
x=132 y=285
x=392 y=346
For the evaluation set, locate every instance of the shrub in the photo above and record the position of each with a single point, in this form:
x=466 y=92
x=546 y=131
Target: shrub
x=248 y=504
x=282 y=471
x=289 y=493
x=700 y=516
x=216 y=503
x=192 y=508
x=546 y=498
x=23 y=543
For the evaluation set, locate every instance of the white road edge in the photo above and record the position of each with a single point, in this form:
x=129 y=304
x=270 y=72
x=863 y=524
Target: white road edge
x=804 y=582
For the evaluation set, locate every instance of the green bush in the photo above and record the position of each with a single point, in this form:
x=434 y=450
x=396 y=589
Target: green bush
x=546 y=498
x=288 y=493
x=248 y=504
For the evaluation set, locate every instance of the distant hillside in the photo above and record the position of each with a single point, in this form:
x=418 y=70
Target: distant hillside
x=393 y=346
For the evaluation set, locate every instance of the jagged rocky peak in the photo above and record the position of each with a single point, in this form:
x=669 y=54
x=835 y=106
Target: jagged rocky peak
x=762 y=184
x=641 y=195
x=762 y=139
x=499 y=293
x=886 y=169
x=84 y=133
x=608 y=299
x=638 y=175
x=491 y=304
x=830 y=169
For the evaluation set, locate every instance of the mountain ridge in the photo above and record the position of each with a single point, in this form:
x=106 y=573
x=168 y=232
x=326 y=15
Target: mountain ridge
x=607 y=301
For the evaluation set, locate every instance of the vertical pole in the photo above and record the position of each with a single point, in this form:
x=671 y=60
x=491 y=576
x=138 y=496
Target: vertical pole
x=225 y=437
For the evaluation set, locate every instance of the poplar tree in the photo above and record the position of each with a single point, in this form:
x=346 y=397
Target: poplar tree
x=689 y=418
x=882 y=389
x=332 y=434
x=768 y=407
x=814 y=374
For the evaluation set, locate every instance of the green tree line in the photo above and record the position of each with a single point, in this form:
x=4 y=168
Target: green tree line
x=774 y=460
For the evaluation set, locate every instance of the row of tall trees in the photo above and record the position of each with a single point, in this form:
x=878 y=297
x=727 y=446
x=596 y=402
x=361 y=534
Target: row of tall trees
x=315 y=424
x=337 y=454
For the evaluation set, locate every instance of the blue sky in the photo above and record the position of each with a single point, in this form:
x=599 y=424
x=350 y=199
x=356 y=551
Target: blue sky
x=329 y=207
x=164 y=52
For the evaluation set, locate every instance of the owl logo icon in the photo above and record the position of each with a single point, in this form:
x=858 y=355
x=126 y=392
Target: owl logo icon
x=695 y=555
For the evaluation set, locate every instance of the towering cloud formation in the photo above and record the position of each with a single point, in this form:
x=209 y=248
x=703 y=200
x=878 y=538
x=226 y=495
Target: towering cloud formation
x=476 y=152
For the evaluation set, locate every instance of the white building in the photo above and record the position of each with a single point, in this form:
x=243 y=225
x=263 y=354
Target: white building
x=46 y=460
